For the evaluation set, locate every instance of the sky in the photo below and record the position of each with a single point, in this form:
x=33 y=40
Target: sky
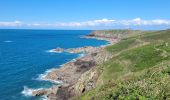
x=85 y=14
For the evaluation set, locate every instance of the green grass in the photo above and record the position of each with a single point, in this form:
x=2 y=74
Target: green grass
x=149 y=84
x=139 y=69
x=111 y=70
x=121 y=33
x=121 y=45
x=155 y=36
x=145 y=56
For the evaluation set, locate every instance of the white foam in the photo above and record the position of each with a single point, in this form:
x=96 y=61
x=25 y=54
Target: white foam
x=7 y=41
x=54 y=51
x=82 y=55
x=51 y=51
x=41 y=77
x=44 y=97
x=27 y=91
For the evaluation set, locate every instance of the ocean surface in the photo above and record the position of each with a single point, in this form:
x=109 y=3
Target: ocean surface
x=25 y=57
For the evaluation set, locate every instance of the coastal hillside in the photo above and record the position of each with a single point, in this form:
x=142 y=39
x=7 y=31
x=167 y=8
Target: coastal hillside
x=138 y=69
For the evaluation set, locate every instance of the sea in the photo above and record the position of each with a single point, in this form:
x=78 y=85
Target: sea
x=25 y=57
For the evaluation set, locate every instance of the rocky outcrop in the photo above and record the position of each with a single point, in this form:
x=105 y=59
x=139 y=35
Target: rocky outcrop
x=86 y=49
x=71 y=71
x=58 y=49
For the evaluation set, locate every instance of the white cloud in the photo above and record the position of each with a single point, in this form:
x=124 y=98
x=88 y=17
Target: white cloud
x=111 y=22
x=100 y=22
x=160 y=21
x=10 y=24
x=139 y=22
x=104 y=21
x=85 y=23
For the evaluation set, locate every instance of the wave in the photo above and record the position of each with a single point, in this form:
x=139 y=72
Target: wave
x=53 y=51
x=41 y=77
x=7 y=41
x=44 y=97
x=28 y=91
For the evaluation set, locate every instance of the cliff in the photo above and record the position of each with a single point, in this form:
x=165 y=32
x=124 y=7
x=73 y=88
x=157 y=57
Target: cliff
x=138 y=69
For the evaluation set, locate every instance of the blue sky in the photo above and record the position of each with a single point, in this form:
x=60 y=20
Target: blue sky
x=84 y=14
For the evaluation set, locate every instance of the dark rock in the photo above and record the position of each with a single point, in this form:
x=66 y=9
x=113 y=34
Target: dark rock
x=84 y=65
x=91 y=35
x=94 y=54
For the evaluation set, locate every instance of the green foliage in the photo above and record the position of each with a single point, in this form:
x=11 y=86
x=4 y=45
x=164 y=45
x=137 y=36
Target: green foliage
x=158 y=35
x=145 y=56
x=149 y=84
x=139 y=69
x=111 y=70
x=122 y=45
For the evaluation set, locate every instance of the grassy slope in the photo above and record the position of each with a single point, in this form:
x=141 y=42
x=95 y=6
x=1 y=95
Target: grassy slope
x=140 y=69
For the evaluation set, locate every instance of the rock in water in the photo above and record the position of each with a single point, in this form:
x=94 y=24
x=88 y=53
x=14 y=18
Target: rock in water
x=58 y=49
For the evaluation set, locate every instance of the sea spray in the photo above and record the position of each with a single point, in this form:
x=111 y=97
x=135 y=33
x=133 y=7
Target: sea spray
x=53 y=51
x=27 y=91
x=41 y=77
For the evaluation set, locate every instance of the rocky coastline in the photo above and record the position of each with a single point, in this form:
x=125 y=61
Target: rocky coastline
x=79 y=75
x=85 y=49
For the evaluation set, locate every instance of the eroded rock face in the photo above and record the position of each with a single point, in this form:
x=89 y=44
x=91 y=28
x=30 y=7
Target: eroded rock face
x=86 y=82
x=62 y=93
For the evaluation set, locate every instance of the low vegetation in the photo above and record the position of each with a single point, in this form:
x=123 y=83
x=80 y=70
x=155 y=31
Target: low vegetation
x=139 y=69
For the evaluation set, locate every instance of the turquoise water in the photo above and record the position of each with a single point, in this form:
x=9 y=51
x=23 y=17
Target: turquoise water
x=24 y=57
